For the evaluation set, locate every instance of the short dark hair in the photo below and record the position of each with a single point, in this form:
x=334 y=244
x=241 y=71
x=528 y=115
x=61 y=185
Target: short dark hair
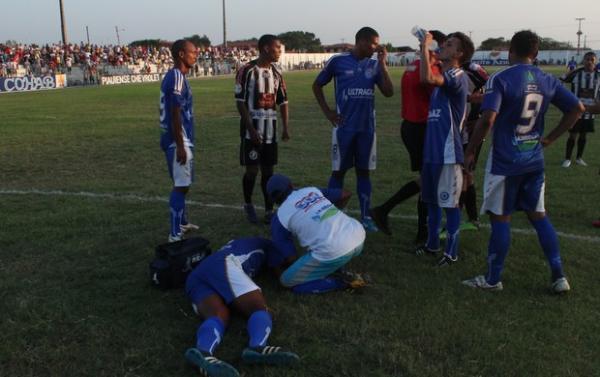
x=589 y=53
x=438 y=36
x=466 y=46
x=525 y=43
x=266 y=40
x=365 y=33
x=177 y=47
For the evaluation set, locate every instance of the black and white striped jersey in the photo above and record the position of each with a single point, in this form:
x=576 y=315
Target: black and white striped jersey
x=586 y=86
x=261 y=89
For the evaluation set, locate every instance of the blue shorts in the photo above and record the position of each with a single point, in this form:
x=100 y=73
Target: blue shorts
x=182 y=175
x=504 y=195
x=441 y=184
x=307 y=268
x=219 y=274
x=353 y=149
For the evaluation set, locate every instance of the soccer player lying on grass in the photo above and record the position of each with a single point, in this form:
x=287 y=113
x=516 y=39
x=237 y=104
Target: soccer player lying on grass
x=221 y=282
x=331 y=237
x=515 y=102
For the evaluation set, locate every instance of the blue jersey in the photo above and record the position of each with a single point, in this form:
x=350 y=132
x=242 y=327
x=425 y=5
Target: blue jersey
x=252 y=253
x=520 y=95
x=354 y=82
x=447 y=110
x=175 y=91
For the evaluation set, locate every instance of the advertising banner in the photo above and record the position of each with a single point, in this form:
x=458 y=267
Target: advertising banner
x=31 y=83
x=129 y=79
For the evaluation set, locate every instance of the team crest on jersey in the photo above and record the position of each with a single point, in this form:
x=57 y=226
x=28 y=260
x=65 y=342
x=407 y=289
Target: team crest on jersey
x=369 y=73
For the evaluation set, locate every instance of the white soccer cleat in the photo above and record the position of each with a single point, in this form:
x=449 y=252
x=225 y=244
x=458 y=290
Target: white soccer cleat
x=480 y=282
x=185 y=228
x=176 y=238
x=561 y=285
x=580 y=161
x=566 y=163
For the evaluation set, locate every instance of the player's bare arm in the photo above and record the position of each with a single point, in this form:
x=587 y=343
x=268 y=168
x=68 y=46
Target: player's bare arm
x=331 y=115
x=245 y=114
x=483 y=126
x=427 y=75
x=285 y=118
x=177 y=131
x=385 y=86
x=566 y=122
x=594 y=109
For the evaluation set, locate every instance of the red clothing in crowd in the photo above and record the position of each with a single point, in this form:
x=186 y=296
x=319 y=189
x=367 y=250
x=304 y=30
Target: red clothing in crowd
x=415 y=95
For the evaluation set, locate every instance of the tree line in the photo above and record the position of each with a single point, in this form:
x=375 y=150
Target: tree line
x=304 y=41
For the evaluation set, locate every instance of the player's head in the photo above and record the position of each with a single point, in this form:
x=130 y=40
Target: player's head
x=458 y=49
x=366 y=41
x=524 y=45
x=279 y=187
x=184 y=52
x=269 y=47
x=589 y=61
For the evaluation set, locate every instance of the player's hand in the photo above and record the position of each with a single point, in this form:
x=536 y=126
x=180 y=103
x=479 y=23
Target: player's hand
x=382 y=55
x=335 y=118
x=344 y=199
x=285 y=135
x=255 y=137
x=427 y=40
x=545 y=142
x=181 y=155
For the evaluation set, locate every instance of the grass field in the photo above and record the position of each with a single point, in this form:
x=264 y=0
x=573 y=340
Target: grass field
x=75 y=299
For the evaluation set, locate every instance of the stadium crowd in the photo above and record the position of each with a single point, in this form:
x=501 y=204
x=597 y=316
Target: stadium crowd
x=40 y=60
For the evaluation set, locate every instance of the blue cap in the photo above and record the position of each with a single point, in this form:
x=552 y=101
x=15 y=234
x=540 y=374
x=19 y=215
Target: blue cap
x=278 y=184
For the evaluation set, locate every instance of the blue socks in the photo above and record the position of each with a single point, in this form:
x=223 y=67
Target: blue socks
x=497 y=250
x=335 y=183
x=452 y=227
x=319 y=286
x=259 y=328
x=177 y=208
x=209 y=335
x=549 y=242
x=434 y=219
x=363 y=188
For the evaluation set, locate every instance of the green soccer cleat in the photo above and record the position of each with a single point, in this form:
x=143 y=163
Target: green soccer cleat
x=210 y=366
x=269 y=355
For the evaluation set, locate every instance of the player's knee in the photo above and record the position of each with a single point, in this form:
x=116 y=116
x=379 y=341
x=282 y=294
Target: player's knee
x=536 y=216
x=362 y=173
x=252 y=170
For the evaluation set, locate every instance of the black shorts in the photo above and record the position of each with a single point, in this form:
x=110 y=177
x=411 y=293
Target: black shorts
x=413 y=136
x=583 y=125
x=263 y=154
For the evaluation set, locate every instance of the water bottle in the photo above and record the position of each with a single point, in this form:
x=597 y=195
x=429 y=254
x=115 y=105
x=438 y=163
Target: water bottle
x=419 y=33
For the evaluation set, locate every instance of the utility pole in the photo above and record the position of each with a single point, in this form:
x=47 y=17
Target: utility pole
x=584 y=41
x=224 y=27
x=87 y=32
x=63 y=26
x=118 y=38
x=579 y=33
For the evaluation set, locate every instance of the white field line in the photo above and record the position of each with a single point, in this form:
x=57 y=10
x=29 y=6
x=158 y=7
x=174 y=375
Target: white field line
x=158 y=199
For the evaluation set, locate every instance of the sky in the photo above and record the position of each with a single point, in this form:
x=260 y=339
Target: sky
x=333 y=21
